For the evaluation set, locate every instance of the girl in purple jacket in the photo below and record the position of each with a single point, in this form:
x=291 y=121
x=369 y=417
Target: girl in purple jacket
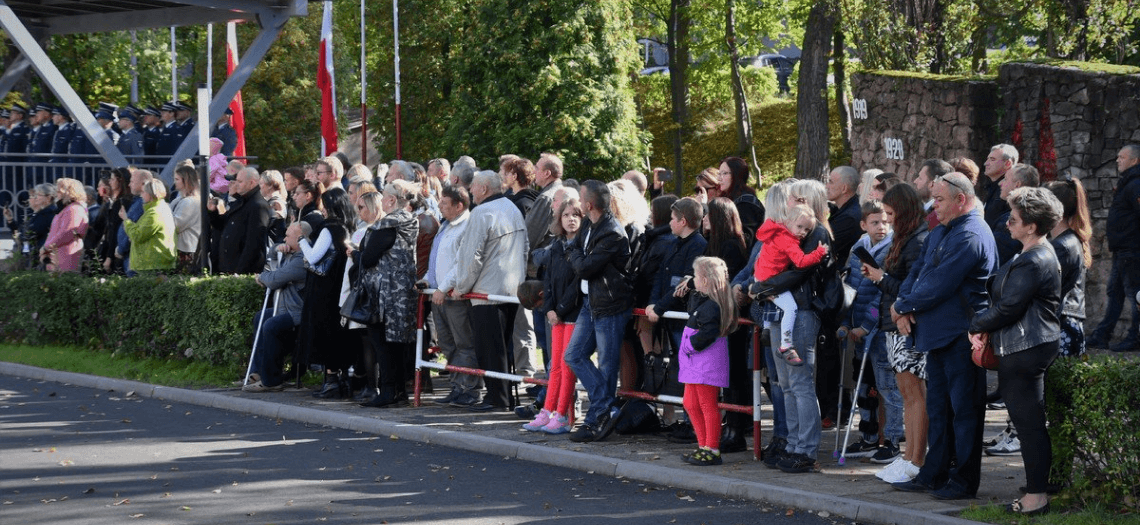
x=703 y=357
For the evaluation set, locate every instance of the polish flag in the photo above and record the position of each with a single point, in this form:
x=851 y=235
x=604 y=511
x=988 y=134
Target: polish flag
x=326 y=80
x=232 y=58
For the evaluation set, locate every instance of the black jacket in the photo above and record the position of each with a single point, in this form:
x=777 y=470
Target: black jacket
x=896 y=273
x=845 y=227
x=598 y=255
x=803 y=283
x=1070 y=253
x=994 y=205
x=654 y=247
x=1123 y=226
x=751 y=216
x=562 y=291
x=245 y=231
x=704 y=313
x=677 y=264
x=1024 y=298
x=523 y=199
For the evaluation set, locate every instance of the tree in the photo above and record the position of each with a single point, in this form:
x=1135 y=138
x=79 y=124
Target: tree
x=556 y=79
x=812 y=155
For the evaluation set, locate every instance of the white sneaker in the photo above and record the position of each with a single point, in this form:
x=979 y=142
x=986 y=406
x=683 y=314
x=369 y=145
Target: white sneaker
x=885 y=471
x=1009 y=446
x=993 y=441
x=906 y=471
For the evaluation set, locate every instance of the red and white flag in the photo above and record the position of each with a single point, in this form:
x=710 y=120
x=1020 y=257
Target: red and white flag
x=326 y=80
x=232 y=58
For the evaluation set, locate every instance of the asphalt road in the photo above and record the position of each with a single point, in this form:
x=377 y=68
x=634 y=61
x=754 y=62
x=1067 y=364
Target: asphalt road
x=79 y=455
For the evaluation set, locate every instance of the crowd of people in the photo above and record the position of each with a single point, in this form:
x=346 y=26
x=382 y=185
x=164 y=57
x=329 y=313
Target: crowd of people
x=914 y=272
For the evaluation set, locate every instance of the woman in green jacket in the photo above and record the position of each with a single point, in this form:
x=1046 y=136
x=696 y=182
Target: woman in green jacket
x=152 y=237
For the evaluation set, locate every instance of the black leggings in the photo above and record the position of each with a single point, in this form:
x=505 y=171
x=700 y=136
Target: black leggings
x=1021 y=380
x=387 y=361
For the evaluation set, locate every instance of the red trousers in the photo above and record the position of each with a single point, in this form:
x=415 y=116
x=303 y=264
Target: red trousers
x=560 y=389
x=700 y=402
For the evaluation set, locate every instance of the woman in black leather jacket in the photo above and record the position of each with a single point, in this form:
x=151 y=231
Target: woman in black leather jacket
x=903 y=208
x=1022 y=324
x=1070 y=239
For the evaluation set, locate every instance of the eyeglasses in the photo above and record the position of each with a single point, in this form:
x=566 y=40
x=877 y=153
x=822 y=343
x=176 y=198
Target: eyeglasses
x=954 y=183
x=319 y=172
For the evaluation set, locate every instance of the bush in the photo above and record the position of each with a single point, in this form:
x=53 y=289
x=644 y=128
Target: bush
x=186 y=318
x=1091 y=405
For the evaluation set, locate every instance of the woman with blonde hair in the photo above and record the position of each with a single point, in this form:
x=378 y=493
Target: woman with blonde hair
x=64 y=242
x=152 y=236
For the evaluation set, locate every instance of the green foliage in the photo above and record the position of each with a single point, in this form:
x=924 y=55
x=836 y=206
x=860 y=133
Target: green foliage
x=556 y=79
x=158 y=371
x=773 y=120
x=98 y=65
x=1091 y=404
x=181 y=318
x=1095 y=514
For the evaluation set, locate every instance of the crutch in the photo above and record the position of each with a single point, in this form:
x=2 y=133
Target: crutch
x=260 y=321
x=839 y=404
x=854 y=403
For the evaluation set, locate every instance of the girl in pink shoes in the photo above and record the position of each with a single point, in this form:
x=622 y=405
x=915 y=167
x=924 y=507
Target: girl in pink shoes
x=703 y=356
x=562 y=299
x=781 y=249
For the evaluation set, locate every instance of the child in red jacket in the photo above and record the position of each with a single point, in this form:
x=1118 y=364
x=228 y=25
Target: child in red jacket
x=781 y=249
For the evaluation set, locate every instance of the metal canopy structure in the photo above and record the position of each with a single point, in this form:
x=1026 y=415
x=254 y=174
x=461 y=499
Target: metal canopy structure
x=28 y=23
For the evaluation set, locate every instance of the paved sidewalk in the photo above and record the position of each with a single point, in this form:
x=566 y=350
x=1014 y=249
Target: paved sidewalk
x=851 y=491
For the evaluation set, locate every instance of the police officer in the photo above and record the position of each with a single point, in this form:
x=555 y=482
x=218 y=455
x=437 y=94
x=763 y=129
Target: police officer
x=131 y=141
x=64 y=131
x=4 y=116
x=41 y=137
x=169 y=138
x=16 y=147
x=19 y=134
x=224 y=131
x=185 y=121
x=152 y=130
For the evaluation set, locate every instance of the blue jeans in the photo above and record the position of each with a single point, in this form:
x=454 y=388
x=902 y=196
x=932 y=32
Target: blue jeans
x=800 y=402
x=605 y=335
x=956 y=407
x=1123 y=283
x=276 y=340
x=889 y=394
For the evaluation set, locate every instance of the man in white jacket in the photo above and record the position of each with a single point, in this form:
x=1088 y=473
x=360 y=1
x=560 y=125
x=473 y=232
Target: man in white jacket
x=493 y=251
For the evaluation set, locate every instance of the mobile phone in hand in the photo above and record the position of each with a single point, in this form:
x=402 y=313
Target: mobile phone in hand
x=865 y=257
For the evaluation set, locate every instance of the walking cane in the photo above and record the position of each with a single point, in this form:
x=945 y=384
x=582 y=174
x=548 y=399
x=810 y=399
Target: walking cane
x=867 y=339
x=260 y=321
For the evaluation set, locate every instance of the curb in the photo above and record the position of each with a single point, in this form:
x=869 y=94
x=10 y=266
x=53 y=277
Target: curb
x=665 y=476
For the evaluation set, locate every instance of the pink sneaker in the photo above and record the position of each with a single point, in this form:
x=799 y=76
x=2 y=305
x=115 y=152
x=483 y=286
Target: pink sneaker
x=558 y=424
x=540 y=421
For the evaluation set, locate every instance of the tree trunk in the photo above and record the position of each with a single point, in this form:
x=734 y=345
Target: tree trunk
x=812 y=154
x=740 y=102
x=678 y=46
x=842 y=103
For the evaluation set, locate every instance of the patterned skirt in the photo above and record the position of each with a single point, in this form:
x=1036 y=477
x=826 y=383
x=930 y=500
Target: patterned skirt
x=903 y=357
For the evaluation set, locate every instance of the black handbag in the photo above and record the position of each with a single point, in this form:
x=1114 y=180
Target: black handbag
x=322 y=266
x=358 y=306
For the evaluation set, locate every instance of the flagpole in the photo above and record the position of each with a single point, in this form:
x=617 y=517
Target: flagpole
x=173 y=66
x=363 y=90
x=396 y=37
x=209 y=58
x=134 y=68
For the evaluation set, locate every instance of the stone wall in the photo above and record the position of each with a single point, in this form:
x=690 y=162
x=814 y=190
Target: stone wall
x=902 y=119
x=1092 y=114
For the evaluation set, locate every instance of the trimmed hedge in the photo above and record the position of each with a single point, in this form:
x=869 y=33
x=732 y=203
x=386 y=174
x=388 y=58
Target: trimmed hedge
x=1092 y=405
x=204 y=319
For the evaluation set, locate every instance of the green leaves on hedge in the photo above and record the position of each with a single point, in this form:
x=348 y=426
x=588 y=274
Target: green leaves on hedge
x=204 y=319
x=1092 y=410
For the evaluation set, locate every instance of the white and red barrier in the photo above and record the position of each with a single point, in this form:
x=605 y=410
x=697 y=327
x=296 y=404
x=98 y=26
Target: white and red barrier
x=422 y=363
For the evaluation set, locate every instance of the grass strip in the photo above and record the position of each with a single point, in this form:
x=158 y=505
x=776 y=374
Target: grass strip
x=166 y=372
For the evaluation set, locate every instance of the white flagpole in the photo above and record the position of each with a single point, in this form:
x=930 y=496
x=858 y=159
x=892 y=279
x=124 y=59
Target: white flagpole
x=173 y=66
x=396 y=37
x=210 y=58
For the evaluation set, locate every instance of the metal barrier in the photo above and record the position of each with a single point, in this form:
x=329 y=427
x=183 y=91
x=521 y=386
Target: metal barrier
x=421 y=363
